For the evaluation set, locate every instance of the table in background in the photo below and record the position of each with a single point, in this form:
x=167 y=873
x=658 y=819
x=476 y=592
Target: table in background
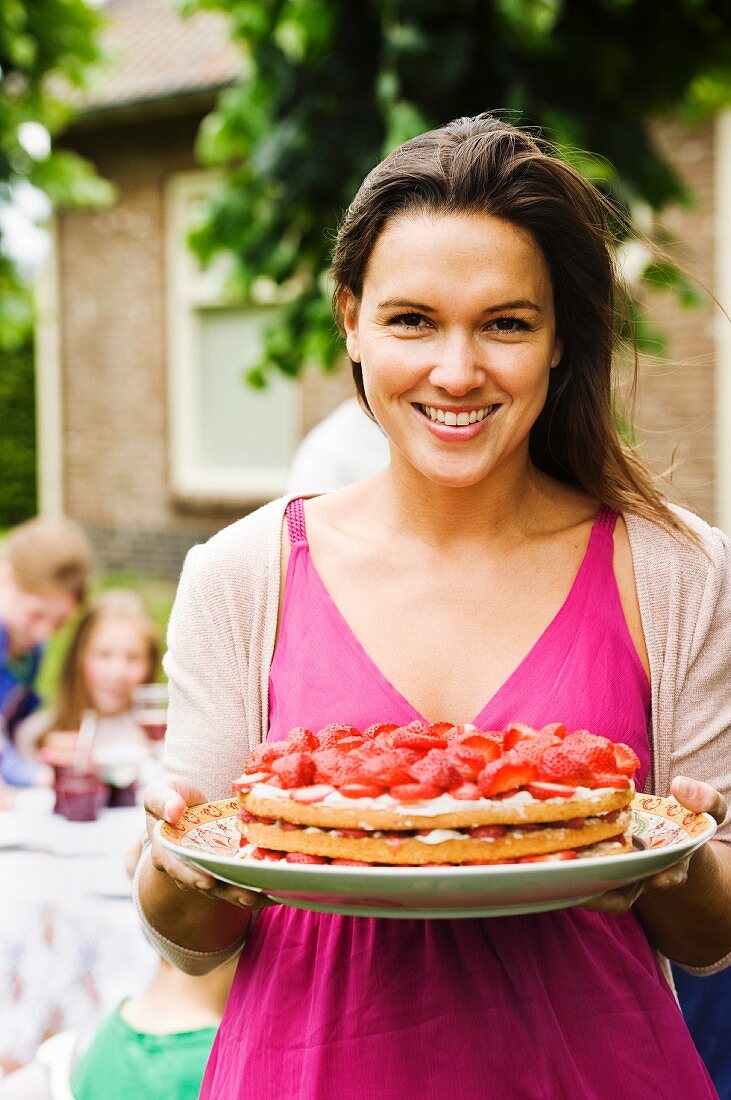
x=70 y=943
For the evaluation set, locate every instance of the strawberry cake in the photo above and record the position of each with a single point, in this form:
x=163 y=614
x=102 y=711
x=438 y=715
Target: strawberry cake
x=435 y=794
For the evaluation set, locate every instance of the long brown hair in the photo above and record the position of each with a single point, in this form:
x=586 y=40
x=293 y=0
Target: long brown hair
x=72 y=693
x=484 y=165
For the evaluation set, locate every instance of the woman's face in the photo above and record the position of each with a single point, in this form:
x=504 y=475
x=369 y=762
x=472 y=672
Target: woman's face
x=456 y=334
x=116 y=661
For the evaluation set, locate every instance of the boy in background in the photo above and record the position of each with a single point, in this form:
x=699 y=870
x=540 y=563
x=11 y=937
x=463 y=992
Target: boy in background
x=44 y=570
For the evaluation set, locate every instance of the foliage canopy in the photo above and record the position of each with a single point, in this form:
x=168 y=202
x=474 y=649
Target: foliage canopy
x=333 y=85
x=47 y=47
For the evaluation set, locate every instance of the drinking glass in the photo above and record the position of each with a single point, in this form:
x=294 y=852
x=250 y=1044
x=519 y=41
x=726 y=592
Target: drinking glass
x=150 y=710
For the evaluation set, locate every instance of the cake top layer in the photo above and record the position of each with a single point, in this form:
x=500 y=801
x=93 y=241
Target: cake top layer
x=419 y=762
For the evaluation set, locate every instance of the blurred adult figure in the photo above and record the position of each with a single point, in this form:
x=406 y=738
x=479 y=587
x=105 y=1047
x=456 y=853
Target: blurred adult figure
x=344 y=447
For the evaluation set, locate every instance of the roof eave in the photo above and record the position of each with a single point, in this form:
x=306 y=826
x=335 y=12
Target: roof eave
x=179 y=102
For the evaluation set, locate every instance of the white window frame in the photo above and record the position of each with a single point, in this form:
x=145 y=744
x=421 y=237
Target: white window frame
x=189 y=289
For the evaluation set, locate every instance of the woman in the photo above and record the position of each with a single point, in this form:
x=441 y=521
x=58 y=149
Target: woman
x=487 y=575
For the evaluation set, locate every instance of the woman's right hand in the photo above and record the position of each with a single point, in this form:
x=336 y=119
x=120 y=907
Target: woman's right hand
x=167 y=799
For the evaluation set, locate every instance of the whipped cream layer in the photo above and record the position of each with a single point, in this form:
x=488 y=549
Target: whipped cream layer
x=438 y=836
x=444 y=804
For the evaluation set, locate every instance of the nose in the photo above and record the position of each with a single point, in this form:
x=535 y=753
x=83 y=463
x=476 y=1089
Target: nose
x=458 y=369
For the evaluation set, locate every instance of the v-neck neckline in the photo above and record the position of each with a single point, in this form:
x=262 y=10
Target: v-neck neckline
x=519 y=669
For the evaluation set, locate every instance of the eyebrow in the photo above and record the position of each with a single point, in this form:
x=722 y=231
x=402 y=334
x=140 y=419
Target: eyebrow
x=420 y=307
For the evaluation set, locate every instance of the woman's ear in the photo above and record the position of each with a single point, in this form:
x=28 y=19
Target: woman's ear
x=557 y=354
x=349 y=308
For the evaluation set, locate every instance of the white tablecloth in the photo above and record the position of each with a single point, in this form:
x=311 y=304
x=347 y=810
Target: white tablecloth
x=70 y=944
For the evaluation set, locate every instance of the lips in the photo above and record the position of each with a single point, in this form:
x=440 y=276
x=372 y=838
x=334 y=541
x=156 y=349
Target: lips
x=455 y=424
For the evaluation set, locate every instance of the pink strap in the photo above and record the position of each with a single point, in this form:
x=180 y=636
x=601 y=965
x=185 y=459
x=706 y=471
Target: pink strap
x=606 y=518
x=295 y=513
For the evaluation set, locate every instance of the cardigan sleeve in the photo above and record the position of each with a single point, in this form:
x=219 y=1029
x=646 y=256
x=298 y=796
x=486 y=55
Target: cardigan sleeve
x=702 y=743
x=220 y=642
x=207 y=712
x=702 y=720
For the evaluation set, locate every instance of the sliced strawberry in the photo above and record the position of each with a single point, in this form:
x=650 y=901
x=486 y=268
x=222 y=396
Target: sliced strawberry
x=333 y=766
x=347 y=744
x=558 y=766
x=487 y=832
x=621 y=782
x=289 y=826
x=266 y=853
x=532 y=748
x=373 y=731
x=489 y=745
x=551 y=790
x=467 y=792
x=407 y=738
x=558 y=729
x=438 y=729
x=441 y=769
x=627 y=760
x=300 y=739
x=329 y=736
x=596 y=752
x=516 y=733
x=244 y=815
x=294 y=770
x=304 y=857
x=567 y=853
x=314 y=793
x=472 y=758
x=361 y=790
x=506 y=774
x=415 y=792
x=264 y=755
x=390 y=767
x=246 y=781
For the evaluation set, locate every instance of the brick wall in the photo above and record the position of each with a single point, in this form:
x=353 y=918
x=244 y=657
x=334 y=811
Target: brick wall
x=675 y=407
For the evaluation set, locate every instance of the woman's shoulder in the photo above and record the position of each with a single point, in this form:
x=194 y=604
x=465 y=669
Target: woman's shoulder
x=679 y=577
x=659 y=548
x=241 y=552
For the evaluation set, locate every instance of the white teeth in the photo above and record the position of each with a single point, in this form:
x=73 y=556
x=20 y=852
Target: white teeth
x=460 y=420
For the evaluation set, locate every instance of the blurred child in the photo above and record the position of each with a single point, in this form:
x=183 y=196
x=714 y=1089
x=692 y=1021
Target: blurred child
x=155 y=1045
x=44 y=568
x=114 y=649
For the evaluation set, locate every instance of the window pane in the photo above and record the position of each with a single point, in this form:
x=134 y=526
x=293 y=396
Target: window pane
x=240 y=426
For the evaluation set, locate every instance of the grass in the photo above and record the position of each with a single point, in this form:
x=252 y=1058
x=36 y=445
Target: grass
x=158 y=596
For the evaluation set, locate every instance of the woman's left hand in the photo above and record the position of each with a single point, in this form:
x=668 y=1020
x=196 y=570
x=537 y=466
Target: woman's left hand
x=695 y=796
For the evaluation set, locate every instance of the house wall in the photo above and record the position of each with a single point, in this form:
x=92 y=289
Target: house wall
x=675 y=411
x=112 y=347
x=112 y=343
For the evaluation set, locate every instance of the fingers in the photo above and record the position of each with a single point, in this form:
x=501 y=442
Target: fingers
x=167 y=799
x=188 y=877
x=699 y=797
x=616 y=902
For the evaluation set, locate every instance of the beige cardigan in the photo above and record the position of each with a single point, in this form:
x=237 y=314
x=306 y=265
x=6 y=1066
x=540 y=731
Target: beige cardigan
x=222 y=632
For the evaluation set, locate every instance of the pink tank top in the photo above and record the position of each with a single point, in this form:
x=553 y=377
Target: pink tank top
x=561 y=1004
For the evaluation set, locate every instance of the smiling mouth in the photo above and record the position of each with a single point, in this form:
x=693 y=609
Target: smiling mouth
x=455 y=419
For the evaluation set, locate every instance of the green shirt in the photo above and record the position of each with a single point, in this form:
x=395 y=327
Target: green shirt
x=122 y=1063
